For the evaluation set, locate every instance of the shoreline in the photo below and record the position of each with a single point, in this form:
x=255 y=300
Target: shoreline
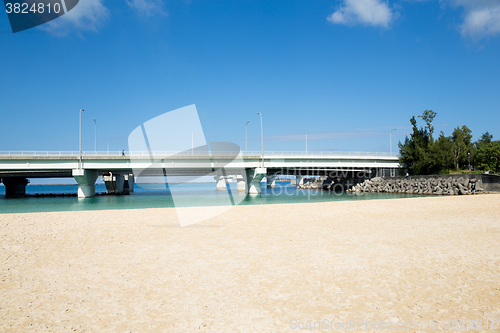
x=410 y=196
x=293 y=204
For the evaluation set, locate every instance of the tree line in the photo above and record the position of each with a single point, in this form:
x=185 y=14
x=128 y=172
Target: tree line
x=423 y=154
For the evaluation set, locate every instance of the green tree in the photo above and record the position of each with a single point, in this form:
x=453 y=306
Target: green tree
x=483 y=140
x=462 y=146
x=428 y=116
x=488 y=157
x=421 y=154
x=415 y=150
x=442 y=153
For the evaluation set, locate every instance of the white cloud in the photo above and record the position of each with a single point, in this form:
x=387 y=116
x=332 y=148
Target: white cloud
x=369 y=12
x=147 y=7
x=88 y=15
x=482 y=17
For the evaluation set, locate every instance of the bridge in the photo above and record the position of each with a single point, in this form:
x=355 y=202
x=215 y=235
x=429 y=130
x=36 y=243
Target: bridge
x=120 y=170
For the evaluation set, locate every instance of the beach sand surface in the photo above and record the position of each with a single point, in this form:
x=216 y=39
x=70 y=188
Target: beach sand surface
x=268 y=268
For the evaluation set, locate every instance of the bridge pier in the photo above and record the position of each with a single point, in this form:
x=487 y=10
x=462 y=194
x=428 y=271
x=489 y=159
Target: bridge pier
x=114 y=183
x=128 y=186
x=271 y=180
x=254 y=177
x=15 y=186
x=241 y=184
x=221 y=183
x=86 y=182
x=119 y=184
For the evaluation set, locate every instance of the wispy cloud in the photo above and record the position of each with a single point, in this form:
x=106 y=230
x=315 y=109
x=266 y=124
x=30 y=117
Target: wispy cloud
x=88 y=15
x=367 y=12
x=147 y=7
x=328 y=136
x=481 y=18
x=375 y=132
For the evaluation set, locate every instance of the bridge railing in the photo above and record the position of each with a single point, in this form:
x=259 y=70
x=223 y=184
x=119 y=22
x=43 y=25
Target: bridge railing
x=190 y=153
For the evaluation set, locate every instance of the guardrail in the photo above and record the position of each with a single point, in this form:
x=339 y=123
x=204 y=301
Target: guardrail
x=188 y=153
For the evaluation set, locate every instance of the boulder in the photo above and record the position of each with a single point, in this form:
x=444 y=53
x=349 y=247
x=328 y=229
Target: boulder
x=462 y=190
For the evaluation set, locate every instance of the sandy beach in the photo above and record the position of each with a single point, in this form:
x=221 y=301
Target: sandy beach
x=254 y=268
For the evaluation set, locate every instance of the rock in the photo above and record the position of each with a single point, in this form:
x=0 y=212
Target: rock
x=437 y=185
x=462 y=190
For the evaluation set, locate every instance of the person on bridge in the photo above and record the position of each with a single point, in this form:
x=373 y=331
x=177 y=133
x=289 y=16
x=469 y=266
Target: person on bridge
x=123 y=152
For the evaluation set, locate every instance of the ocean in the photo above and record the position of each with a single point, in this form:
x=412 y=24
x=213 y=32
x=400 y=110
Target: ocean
x=187 y=195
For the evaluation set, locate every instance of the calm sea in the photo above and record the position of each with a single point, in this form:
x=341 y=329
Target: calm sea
x=192 y=194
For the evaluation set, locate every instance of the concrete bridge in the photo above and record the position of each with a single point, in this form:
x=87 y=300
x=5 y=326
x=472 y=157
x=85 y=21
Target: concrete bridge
x=249 y=168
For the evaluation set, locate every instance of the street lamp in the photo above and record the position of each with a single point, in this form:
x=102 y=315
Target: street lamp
x=261 y=137
x=246 y=136
x=390 y=140
x=81 y=110
x=95 y=137
x=306 y=144
x=468 y=155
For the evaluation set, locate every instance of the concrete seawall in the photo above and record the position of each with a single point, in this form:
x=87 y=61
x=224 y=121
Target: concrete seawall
x=491 y=183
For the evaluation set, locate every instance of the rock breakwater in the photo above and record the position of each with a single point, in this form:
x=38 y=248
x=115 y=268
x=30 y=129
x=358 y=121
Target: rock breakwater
x=428 y=185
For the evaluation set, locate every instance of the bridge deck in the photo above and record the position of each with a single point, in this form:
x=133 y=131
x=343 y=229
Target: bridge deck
x=60 y=164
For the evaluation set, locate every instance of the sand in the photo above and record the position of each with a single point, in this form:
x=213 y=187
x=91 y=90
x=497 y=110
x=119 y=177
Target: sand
x=270 y=268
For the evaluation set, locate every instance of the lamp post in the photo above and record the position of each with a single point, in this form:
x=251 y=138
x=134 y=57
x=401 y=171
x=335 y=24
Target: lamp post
x=306 y=144
x=468 y=155
x=390 y=140
x=261 y=137
x=81 y=110
x=95 y=137
x=246 y=136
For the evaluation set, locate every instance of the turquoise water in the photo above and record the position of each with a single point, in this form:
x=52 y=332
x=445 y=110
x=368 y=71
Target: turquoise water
x=187 y=194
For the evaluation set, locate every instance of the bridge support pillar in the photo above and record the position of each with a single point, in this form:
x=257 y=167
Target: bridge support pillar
x=119 y=184
x=221 y=183
x=241 y=184
x=128 y=186
x=114 y=183
x=254 y=177
x=15 y=186
x=86 y=182
x=271 y=180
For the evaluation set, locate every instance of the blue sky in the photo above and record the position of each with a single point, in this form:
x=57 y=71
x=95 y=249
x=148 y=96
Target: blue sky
x=342 y=72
